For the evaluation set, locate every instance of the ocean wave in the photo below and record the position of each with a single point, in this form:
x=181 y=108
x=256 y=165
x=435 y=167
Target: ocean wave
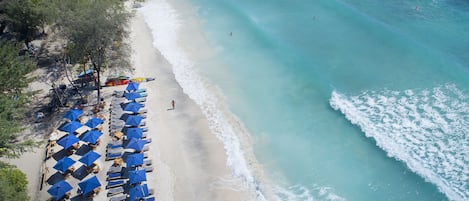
x=165 y=24
x=426 y=129
x=302 y=193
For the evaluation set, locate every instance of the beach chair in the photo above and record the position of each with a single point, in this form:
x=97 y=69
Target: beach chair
x=141 y=100
x=120 y=197
x=145 y=155
x=148 y=140
x=147 y=162
x=112 y=156
x=114 y=144
x=148 y=168
x=115 y=183
x=114 y=150
x=151 y=198
x=115 y=191
x=114 y=169
x=114 y=176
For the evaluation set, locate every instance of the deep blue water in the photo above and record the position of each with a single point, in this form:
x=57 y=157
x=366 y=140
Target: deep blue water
x=347 y=100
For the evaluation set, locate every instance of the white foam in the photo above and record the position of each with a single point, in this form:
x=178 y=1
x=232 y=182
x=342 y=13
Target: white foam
x=426 y=129
x=165 y=23
x=302 y=193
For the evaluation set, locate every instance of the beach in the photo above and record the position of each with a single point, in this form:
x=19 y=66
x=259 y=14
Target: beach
x=190 y=159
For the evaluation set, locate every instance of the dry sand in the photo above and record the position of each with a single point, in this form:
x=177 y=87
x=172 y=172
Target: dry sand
x=190 y=160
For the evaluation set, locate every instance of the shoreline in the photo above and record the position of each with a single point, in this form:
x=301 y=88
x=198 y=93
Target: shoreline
x=191 y=161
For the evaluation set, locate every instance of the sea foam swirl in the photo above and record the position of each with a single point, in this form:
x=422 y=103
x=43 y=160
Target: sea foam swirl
x=426 y=129
x=165 y=24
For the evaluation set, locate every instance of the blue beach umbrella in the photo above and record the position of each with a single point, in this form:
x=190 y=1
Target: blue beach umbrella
x=136 y=144
x=59 y=189
x=137 y=176
x=91 y=136
x=138 y=191
x=71 y=126
x=134 y=160
x=93 y=122
x=63 y=164
x=132 y=107
x=89 y=158
x=132 y=86
x=134 y=133
x=68 y=141
x=133 y=120
x=132 y=96
x=73 y=114
x=89 y=185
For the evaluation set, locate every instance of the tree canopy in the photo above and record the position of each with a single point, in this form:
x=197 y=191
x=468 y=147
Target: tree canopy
x=13 y=183
x=91 y=28
x=13 y=81
x=23 y=18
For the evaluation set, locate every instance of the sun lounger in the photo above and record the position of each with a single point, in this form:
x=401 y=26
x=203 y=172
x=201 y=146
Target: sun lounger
x=151 y=198
x=114 y=169
x=114 y=176
x=115 y=191
x=114 y=145
x=112 y=156
x=141 y=100
x=148 y=168
x=147 y=162
x=114 y=150
x=145 y=155
x=121 y=197
x=115 y=183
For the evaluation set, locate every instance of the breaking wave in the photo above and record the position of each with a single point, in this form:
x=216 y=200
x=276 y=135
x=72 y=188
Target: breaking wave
x=426 y=129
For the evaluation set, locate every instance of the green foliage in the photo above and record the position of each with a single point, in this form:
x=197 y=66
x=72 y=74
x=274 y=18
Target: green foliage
x=23 y=17
x=91 y=28
x=13 y=183
x=13 y=80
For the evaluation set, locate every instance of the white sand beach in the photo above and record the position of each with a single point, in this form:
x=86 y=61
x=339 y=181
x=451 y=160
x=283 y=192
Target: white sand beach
x=190 y=160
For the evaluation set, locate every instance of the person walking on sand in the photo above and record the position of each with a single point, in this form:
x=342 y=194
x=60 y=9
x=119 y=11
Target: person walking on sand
x=173 y=104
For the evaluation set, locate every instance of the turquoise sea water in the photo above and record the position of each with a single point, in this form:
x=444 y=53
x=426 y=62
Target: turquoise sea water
x=344 y=100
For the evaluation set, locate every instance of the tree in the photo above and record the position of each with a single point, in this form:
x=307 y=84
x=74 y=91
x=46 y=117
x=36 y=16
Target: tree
x=91 y=28
x=13 y=81
x=13 y=183
x=22 y=17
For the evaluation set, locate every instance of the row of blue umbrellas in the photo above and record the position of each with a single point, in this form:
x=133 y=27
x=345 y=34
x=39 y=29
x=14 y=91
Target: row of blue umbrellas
x=88 y=159
x=69 y=140
x=59 y=189
x=73 y=125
